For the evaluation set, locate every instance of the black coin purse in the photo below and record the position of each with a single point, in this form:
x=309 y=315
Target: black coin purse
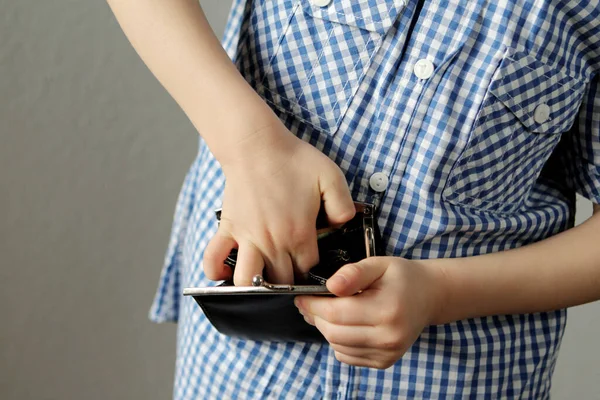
x=265 y=311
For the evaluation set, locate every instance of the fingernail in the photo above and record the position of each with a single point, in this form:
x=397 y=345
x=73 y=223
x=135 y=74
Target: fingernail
x=339 y=280
x=309 y=320
x=298 y=304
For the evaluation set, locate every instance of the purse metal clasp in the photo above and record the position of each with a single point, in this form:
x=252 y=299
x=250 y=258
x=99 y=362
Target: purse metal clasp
x=258 y=281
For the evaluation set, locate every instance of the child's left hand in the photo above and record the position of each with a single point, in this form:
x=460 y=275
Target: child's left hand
x=376 y=327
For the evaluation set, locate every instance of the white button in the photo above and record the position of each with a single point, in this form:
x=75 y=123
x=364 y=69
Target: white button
x=378 y=181
x=541 y=113
x=423 y=69
x=321 y=3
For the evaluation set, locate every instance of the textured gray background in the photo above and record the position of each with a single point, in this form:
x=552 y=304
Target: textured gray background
x=93 y=152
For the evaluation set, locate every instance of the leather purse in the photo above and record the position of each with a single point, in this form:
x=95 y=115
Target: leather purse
x=265 y=311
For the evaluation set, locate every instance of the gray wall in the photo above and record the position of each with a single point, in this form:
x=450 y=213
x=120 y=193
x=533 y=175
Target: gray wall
x=92 y=154
x=577 y=375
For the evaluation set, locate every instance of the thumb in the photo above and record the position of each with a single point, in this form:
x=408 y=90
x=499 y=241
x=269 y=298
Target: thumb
x=352 y=278
x=337 y=200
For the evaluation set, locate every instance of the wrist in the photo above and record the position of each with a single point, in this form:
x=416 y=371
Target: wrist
x=470 y=287
x=260 y=147
x=244 y=132
x=441 y=288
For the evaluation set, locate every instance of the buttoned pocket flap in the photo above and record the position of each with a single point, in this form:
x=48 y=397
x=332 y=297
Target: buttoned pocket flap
x=543 y=98
x=372 y=15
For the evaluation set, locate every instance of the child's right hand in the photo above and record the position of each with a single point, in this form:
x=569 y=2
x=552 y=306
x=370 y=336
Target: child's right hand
x=275 y=183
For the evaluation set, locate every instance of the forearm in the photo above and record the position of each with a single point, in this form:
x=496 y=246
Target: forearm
x=177 y=44
x=558 y=272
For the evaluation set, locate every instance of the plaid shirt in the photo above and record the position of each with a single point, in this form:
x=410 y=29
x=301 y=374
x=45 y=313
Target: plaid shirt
x=470 y=124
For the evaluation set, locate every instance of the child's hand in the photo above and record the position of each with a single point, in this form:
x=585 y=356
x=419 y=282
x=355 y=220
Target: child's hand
x=272 y=196
x=377 y=326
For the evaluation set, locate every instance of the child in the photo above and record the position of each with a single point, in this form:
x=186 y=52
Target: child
x=470 y=126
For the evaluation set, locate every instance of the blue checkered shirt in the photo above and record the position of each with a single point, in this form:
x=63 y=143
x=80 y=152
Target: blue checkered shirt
x=481 y=120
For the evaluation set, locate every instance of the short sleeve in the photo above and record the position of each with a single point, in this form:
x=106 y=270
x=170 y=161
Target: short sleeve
x=584 y=154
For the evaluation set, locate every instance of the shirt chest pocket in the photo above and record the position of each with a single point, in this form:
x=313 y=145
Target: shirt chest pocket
x=323 y=55
x=527 y=108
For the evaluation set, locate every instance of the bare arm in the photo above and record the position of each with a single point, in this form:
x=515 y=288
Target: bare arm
x=558 y=272
x=275 y=182
x=176 y=42
x=400 y=297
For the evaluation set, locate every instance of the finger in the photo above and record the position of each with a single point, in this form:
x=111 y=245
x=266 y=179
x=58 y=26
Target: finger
x=280 y=270
x=352 y=278
x=309 y=320
x=215 y=254
x=306 y=255
x=336 y=197
x=351 y=360
x=249 y=263
x=362 y=352
x=345 y=335
x=362 y=362
x=350 y=311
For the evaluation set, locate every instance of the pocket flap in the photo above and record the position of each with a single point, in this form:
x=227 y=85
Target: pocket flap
x=372 y=15
x=544 y=99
